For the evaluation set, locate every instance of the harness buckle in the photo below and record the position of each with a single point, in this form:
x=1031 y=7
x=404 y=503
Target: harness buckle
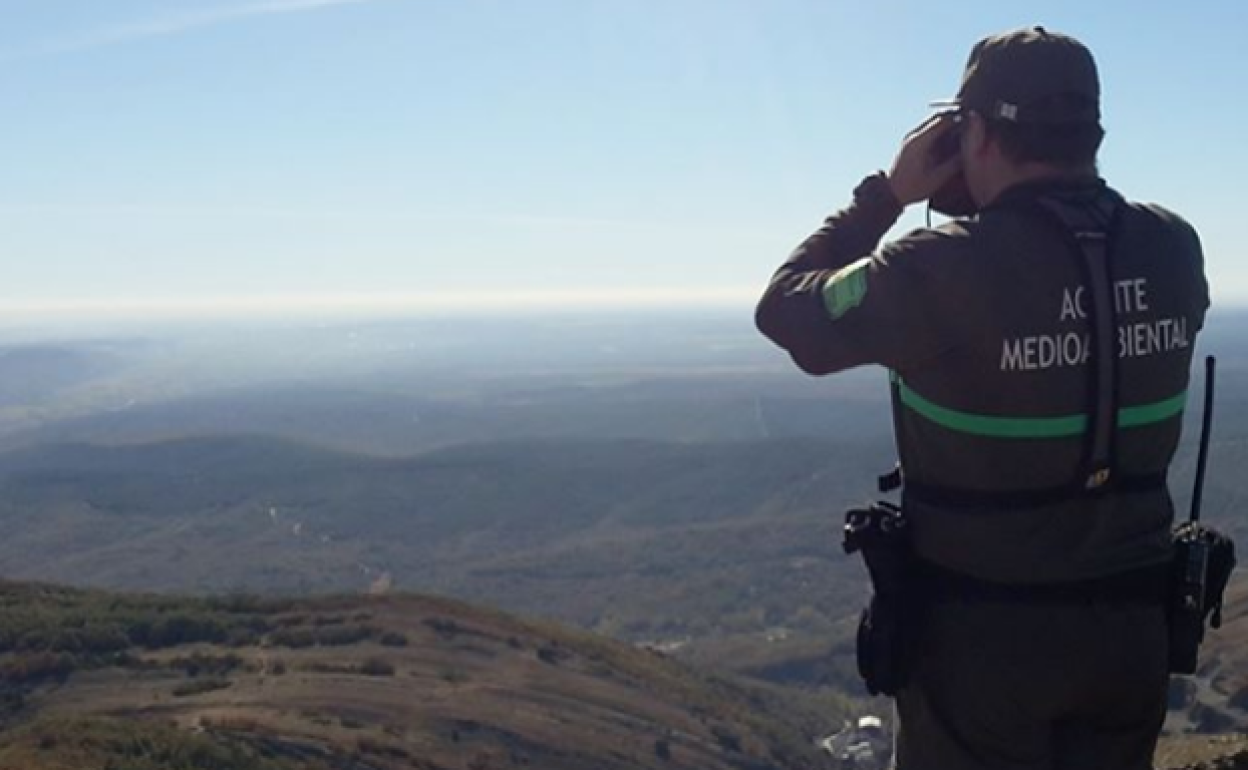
x=1098 y=479
x=891 y=481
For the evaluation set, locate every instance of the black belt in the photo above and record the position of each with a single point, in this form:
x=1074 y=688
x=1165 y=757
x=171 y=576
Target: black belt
x=1148 y=585
x=949 y=497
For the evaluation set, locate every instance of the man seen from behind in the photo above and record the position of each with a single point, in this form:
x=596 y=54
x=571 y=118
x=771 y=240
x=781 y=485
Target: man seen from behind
x=1039 y=347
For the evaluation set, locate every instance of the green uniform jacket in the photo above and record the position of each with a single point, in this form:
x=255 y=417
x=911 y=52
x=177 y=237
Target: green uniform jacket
x=984 y=323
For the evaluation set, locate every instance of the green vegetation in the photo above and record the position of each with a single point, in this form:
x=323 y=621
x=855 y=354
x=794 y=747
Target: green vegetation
x=49 y=633
x=93 y=627
x=210 y=665
x=294 y=638
x=324 y=636
x=56 y=744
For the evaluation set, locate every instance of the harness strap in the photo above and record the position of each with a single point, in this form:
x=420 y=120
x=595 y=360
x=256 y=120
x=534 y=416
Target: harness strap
x=1090 y=230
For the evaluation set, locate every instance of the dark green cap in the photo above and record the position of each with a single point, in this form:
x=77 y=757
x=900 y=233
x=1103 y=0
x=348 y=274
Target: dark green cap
x=1031 y=75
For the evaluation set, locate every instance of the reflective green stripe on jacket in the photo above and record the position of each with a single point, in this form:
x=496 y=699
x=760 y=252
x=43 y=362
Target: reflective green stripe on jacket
x=1066 y=426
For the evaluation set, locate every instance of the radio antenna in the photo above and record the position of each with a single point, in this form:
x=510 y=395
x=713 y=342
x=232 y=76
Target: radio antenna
x=1206 y=425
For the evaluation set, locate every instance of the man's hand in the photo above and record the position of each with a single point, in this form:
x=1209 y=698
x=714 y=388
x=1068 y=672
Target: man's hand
x=915 y=177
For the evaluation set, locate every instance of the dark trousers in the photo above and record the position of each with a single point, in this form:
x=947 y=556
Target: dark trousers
x=1014 y=686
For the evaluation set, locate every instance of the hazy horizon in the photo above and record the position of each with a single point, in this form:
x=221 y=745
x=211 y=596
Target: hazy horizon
x=488 y=304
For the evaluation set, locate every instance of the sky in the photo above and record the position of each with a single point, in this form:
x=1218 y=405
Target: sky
x=269 y=155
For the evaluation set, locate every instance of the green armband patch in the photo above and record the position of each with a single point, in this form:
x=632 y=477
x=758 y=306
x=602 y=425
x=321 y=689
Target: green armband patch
x=845 y=289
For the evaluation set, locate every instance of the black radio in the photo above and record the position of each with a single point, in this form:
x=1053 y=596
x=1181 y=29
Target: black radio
x=1203 y=561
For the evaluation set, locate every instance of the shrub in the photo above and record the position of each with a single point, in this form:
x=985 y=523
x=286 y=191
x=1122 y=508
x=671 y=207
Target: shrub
x=38 y=667
x=727 y=739
x=663 y=749
x=376 y=667
x=341 y=636
x=242 y=637
x=295 y=638
x=199 y=663
x=393 y=639
x=379 y=749
x=444 y=627
x=551 y=654
x=453 y=676
x=200 y=686
x=182 y=629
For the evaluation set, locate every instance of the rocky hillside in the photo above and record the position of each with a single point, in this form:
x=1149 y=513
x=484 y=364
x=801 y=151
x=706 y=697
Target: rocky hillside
x=94 y=679
x=1224 y=752
x=1215 y=699
x=1207 y=727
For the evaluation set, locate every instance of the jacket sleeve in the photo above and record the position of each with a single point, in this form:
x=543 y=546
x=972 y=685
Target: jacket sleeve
x=1201 y=300
x=837 y=303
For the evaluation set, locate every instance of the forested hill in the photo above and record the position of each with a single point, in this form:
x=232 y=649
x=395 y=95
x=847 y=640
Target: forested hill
x=514 y=524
